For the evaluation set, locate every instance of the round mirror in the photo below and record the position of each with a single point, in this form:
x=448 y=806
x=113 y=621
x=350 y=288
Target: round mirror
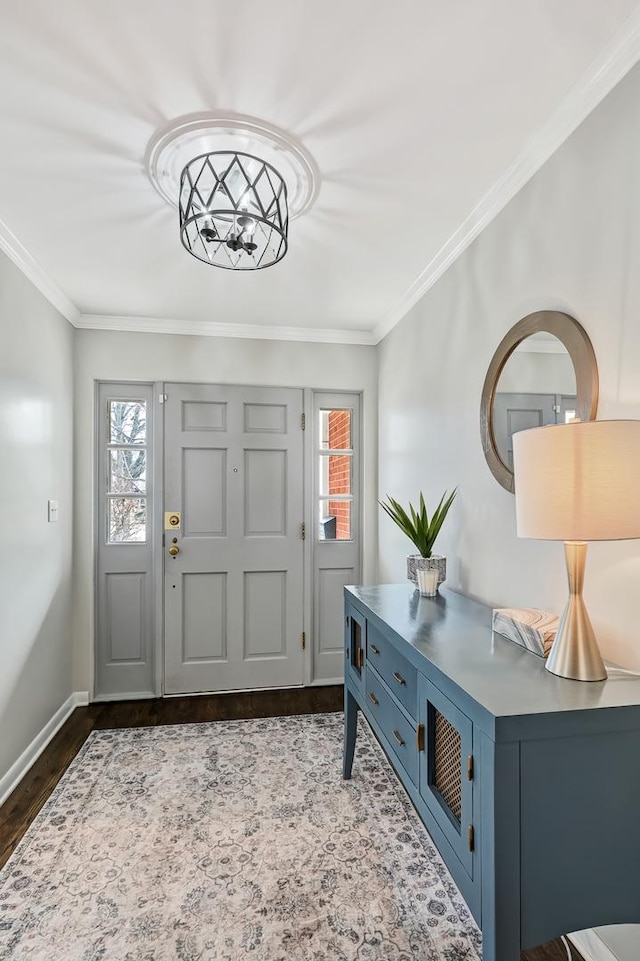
x=543 y=372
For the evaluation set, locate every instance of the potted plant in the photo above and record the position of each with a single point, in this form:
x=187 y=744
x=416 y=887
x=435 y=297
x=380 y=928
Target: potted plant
x=422 y=530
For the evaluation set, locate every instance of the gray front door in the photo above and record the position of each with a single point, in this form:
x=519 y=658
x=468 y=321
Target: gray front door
x=234 y=589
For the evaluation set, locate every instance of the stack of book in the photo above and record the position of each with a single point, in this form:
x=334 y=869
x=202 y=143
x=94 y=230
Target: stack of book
x=532 y=629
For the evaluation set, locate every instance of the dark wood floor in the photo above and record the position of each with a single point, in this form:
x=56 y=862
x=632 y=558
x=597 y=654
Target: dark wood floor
x=17 y=813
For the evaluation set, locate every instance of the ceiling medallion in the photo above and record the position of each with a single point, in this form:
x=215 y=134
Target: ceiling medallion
x=237 y=181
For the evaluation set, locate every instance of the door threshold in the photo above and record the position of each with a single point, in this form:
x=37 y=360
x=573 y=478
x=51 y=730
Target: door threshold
x=235 y=690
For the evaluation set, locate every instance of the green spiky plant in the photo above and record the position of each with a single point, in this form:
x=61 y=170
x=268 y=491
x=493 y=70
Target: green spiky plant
x=419 y=528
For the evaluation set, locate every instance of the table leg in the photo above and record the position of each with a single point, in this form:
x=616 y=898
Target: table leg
x=350 y=731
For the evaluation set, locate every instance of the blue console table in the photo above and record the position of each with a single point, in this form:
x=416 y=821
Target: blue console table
x=528 y=783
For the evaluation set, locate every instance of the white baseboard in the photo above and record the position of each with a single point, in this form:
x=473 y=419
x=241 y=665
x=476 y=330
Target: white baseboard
x=591 y=946
x=17 y=771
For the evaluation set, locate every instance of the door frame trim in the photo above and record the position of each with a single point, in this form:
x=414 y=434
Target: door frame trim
x=157 y=560
x=307 y=500
x=157 y=532
x=96 y=524
x=357 y=445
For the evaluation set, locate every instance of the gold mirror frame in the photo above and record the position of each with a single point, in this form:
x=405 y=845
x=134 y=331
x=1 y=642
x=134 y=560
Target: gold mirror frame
x=580 y=350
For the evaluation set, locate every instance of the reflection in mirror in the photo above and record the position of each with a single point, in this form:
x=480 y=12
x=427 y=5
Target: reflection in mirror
x=537 y=386
x=546 y=353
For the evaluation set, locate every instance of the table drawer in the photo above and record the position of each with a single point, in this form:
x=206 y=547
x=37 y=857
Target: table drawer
x=398 y=673
x=399 y=732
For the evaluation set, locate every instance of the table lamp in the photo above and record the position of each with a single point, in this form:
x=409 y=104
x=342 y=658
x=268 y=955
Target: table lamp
x=575 y=483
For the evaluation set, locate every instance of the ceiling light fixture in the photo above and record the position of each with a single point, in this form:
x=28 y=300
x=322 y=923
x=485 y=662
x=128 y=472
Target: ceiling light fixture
x=236 y=181
x=233 y=211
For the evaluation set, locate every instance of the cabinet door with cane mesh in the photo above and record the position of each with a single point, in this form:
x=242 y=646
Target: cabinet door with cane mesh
x=446 y=769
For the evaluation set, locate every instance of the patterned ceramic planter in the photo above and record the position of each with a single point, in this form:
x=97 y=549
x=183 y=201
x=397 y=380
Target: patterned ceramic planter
x=415 y=562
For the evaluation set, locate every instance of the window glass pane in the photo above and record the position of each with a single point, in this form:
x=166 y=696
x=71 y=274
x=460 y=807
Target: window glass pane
x=335 y=474
x=334 y=521
x=127 y=519
x=127 y=471
x=127 y=422
x=335 y=429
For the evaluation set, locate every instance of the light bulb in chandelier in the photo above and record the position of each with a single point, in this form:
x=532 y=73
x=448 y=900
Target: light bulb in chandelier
x=247 y=224
x=208 y=232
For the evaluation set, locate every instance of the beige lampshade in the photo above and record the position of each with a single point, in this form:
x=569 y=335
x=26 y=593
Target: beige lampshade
x=578 y=482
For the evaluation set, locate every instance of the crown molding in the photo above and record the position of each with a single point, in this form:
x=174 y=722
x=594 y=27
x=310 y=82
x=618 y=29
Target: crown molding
x=615 y=60
x=163 y=325
x=18 y=253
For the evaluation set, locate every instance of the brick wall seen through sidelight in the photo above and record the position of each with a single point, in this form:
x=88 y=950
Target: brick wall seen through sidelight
x=340 y=470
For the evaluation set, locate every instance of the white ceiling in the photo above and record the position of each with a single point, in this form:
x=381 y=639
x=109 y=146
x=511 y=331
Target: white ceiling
x=414 y=110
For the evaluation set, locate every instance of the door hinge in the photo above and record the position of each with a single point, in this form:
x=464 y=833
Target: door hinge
x=303 y=530
x=420 y=737
x=470 y=768
x=303 y=421
x=163 y=398
x=304 y=640
x=471 y=837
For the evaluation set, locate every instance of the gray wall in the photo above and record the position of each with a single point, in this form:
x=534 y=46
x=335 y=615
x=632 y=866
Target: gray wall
x=570 y=240
x=537 y=373
x=110 y=355
x=36 y=450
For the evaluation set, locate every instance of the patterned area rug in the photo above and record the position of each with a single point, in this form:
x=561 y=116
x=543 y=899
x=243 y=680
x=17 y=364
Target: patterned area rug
x=227 y=841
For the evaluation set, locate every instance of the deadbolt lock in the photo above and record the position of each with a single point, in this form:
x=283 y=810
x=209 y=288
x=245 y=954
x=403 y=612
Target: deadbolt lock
x=172 y=520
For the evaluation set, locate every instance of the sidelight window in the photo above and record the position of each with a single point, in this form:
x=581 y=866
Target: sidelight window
x=126 y=468
x=335 y=465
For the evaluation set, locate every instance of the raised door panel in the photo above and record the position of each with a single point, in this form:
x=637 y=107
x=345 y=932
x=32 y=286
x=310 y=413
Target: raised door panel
x=265 y=614
x=125 y=617
x=204 y=617
x=200 y=415
x=204 y=492
x=265 y=500
x=328 y=593
x=265 y=418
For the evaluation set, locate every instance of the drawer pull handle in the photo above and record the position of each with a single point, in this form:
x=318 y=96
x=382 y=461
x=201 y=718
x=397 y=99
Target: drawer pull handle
x=420 y=737
x=397 y=738
x=373 y=698
x=376 y=650
x=399 y=678
x=360 y=658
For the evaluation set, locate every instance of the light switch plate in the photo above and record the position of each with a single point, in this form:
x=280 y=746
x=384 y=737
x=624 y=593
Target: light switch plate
x=52 y=511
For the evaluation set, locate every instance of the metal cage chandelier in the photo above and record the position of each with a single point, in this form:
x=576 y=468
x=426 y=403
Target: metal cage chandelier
x=233 y=211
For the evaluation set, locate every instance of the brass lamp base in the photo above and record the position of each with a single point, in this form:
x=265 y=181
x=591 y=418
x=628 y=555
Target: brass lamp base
x=575 y=653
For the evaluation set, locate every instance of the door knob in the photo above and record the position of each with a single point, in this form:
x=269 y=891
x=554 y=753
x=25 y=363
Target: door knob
x=173 y=550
